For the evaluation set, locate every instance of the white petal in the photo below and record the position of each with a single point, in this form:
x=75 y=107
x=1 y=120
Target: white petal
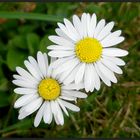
x=77 y=94
x=66 y=31
x=107 y=73
x=50 y=69
x=60 y=114
x=71 y=76
x=60 y=53
x=70 y=106
x=115 y=60
x=111 y=36
x=53 y=107
x=71 y=30
x=84 y=24
x=46 y=60
x=56 y=120
x=63 y=35
x=21 y=78
x=29 y=108
x=92 y=82
x=18 y=77
x=25 y=91
x=115 y=52
x=99 y=27
x=35 y=65
x=25 y=99
x=39 y=115
x=25 y=74
x=61 y=48
x=25 y=84
x=96 y=79
x=92 y=25
x=66 y=97
x=47 y=117
x=50 y=72
x=52 y=60
x=42 y=63
x=65 y=74
x=67 y=65
x=73 y=86
x=102 y=76
x=114 y=34
x=105 y=31
x=114 y=41
x=80 y=73
x=34 y=105
x=60 y=41
x=88 y=24
x=112 y=66
x=60 y=61
x=88 y=78
x=32 y=70
x=62 y=106
x=78 y=25
x=23 y=115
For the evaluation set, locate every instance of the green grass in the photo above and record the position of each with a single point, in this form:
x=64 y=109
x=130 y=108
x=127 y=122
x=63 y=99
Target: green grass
x=111 y=112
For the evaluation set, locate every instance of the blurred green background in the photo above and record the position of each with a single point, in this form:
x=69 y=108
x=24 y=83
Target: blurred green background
x=111 y=112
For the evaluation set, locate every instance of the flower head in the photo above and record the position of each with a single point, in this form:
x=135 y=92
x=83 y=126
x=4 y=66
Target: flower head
x=42 y=90
x=85 y=53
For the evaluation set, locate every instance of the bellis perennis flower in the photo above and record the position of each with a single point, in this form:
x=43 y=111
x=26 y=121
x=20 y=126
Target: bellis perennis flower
x=42 y=90
x=84 y=48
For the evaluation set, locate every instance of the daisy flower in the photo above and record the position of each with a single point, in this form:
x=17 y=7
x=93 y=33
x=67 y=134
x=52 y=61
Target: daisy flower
x=84 y=48
x=42 y=90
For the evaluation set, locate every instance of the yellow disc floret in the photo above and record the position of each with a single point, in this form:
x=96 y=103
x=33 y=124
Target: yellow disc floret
x=88 y=50
x=49 y=89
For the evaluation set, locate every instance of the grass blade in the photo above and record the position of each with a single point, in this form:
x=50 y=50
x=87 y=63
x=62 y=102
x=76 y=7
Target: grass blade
x=30 y=16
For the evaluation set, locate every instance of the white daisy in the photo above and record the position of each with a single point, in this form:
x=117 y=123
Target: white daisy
x=85 y=53
x=42 y=90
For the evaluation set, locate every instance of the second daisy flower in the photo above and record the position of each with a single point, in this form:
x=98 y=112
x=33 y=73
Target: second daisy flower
x=84 y=51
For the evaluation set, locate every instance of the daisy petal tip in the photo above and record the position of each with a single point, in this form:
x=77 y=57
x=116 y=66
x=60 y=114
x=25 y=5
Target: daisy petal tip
x=50 y=53
x=39 y=53
x=20 y=117
x=85 y=96
x=15 y=106
x=13 y=81
x=14 y=90
x=97 y=88
x=59 y=24
x=87 y=90
x=126 y=52
x=50 y=37
x=91 y=90
x=35 y=124
x=65 y=20
x=17 y=68
x=78 y=109
x=62 y=123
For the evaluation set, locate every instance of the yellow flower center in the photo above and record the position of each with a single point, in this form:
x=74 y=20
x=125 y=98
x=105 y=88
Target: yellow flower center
x=49 y=89
x=88 y=50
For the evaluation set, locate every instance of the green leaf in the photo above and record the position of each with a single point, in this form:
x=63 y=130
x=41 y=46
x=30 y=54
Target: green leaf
x=33 y=42
x=44 y=43
x=3 y=99
x=30 y=16
x=19 y=41
x=3 y=83
x=15 y=57
x=20 y=125
x=26 y=29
